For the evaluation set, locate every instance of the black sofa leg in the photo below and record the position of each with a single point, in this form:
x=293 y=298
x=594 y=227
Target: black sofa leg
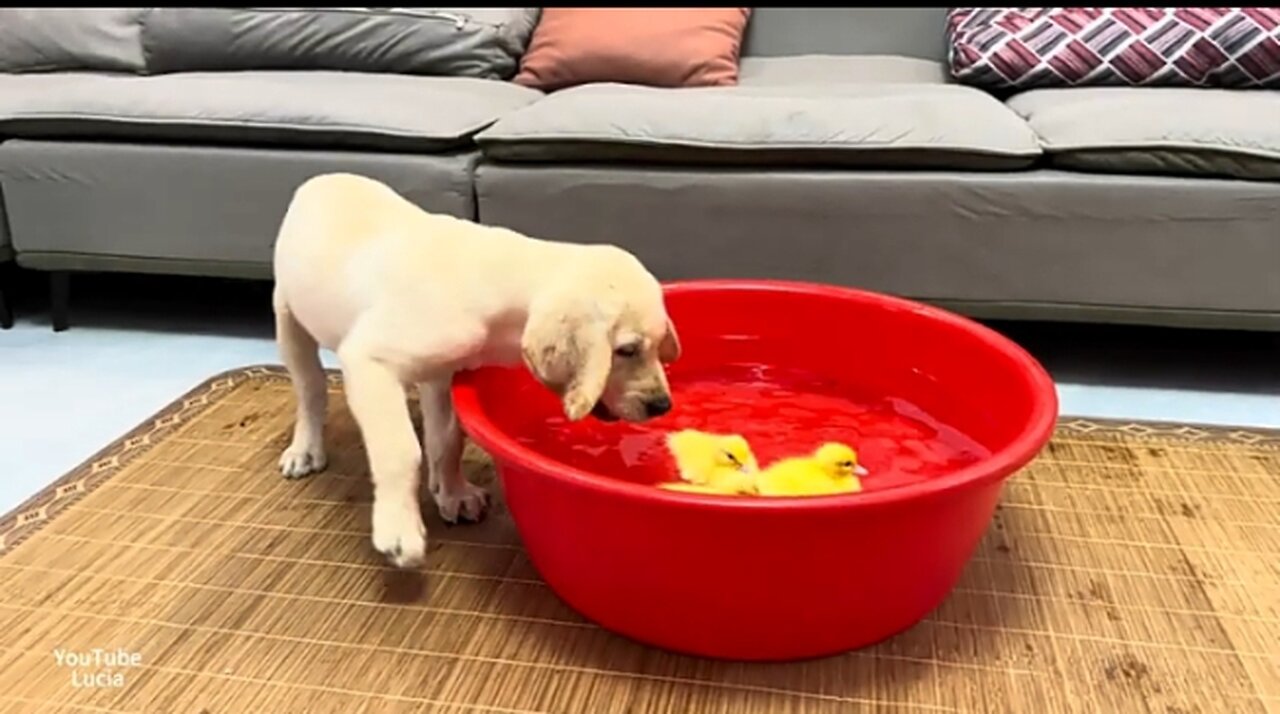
x=60 y=299
x=6 y=307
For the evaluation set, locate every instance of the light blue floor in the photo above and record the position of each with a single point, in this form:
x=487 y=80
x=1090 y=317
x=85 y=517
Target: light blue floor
x=65 y=395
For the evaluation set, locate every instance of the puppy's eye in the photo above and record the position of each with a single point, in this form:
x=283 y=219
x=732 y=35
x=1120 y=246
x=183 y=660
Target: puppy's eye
x=627 y=351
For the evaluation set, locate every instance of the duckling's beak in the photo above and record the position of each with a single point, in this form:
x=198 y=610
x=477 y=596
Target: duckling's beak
x=861 y=470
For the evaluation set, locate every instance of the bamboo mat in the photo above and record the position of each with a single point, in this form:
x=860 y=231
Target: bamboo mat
x=1132 y=568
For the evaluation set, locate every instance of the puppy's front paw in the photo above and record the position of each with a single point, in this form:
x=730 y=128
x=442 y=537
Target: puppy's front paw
x=577 y=405
x=467 y=504
x=399 y=534
x=301 y=459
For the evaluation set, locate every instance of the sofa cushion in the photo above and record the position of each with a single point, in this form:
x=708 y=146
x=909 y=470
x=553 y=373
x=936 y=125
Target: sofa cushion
x=63 y=39
x=323 y=109
x=1029 y=237
x=786 y=30
x=899 y=125
x=484 y=43
x=1200 y=132
x=1040 y=47
x=6 y=244
x=211 y=210
x=838 y=69
x=658 y=47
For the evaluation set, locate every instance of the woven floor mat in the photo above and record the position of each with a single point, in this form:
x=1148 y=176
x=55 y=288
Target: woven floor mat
x=1131 y=568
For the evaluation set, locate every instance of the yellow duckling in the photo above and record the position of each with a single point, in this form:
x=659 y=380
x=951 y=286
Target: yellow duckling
x=712 y=463
x=832 y=469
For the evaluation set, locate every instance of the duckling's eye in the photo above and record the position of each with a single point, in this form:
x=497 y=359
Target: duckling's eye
x=627 y=351
x=732 y=458
x=845 y=464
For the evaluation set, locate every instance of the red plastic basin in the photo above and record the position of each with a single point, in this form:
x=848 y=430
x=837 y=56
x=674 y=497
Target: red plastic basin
x=776 y=579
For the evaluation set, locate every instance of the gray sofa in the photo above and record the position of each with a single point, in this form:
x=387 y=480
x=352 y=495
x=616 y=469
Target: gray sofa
x=168 y=140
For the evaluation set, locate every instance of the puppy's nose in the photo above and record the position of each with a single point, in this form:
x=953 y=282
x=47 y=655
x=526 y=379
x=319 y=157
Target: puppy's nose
x=658 y=406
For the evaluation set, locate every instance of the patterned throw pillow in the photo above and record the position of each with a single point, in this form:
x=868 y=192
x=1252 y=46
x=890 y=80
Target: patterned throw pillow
x=1022 y=48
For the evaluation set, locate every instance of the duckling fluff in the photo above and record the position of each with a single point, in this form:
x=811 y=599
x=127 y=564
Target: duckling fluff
x=712 y=463
x=833 y=468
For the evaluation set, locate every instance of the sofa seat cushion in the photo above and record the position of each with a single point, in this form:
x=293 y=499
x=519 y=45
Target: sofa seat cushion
x=1164 y=130
x=767 y=121
x=322 y=109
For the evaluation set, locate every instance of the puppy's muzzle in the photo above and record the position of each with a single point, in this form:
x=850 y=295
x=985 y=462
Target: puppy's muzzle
x=657 y=406
x=654 y=407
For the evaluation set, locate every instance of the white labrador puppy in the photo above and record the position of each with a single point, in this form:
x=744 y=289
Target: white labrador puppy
x=405 y=297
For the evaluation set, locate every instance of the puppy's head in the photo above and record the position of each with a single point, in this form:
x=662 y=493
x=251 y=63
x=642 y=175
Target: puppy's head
x=600 y=340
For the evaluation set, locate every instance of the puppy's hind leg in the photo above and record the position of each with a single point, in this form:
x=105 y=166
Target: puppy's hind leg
x=301 y=356
x=442 y=442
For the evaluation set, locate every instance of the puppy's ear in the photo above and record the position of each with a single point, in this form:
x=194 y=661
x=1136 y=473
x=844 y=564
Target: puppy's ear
x=669 y=348
x=566 y=346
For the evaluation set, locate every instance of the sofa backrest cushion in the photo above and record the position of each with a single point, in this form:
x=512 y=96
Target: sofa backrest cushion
x=910 y=32
x=62 y=39
x=485 y=43
x=460 y=42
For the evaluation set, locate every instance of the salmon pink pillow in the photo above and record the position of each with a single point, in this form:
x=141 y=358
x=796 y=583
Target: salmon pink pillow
x=657 y=47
